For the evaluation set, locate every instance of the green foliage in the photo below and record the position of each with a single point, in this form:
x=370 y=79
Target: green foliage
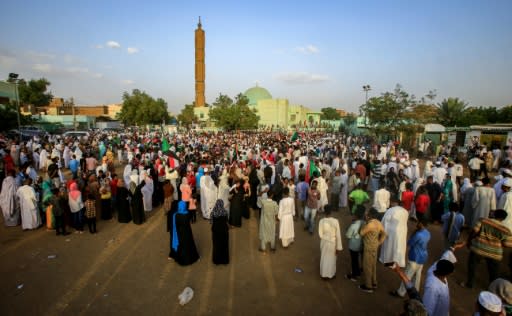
x=34 y=92
x=140 y=108
x=187 y=116
x=9 y=118
x=235 y=115
x=329 y=114
x=350 y=119
x=389 y=113
x=450 y=111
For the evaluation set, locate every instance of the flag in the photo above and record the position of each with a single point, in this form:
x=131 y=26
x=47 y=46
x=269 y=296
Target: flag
x=295 y=136
x=165 y=145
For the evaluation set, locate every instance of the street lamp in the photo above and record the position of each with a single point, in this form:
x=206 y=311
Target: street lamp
x=366 y=89
x=14 y=79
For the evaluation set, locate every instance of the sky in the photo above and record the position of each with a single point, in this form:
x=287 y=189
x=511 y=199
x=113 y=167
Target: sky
x=314 y=53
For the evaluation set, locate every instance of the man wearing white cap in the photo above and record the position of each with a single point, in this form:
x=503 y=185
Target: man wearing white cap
x=439 y=173
x=507 y=174
x=505 y=202
x=488 y=304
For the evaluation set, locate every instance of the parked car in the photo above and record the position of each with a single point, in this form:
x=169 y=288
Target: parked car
x=76 y=134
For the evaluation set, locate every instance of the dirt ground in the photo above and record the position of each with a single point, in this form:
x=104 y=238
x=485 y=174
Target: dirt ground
x=124 y=270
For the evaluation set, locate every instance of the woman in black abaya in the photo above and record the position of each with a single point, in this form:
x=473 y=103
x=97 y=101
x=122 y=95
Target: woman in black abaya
x=138 y=205
x=123 y=203
x=183 y=247
x=237 y=204
x=220 y=233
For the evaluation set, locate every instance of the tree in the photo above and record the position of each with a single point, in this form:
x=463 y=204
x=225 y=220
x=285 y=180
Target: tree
x=9 y=117
x=187 y=116
x=34 y=92
x=140 y=108
x=388 y=114
x=329 y=114
x=235 y=115
x=450 y=111
x=350 y=119
x=505 y=114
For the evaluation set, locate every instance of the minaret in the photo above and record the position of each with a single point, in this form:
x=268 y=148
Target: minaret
x=199 y=43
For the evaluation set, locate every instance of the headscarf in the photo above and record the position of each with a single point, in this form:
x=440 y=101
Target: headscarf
x=466 y=185
x=218 y=210
x=182 y=209
x=74 y=193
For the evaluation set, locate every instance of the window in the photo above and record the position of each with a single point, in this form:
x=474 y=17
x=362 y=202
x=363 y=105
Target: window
x=293 y=117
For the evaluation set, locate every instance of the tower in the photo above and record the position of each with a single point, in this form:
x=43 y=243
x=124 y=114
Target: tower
x=199 y=45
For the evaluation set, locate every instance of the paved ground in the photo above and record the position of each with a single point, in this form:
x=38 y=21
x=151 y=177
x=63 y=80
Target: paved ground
x=124 y=270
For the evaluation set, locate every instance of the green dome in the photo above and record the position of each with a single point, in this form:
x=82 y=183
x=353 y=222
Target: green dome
x=256 y=93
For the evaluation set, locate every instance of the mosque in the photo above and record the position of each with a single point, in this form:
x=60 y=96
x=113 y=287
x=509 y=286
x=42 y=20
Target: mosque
x=272 y=112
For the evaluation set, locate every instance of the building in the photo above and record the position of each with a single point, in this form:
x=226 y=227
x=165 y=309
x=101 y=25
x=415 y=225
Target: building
x=199 y=66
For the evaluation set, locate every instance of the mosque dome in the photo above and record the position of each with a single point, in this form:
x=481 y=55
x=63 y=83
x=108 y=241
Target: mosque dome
x=257 y=93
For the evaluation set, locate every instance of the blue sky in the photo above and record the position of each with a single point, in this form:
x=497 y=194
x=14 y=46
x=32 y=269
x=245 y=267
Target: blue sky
x=315 y=53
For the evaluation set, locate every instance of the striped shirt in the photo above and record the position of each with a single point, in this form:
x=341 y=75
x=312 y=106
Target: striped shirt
x=491 y=237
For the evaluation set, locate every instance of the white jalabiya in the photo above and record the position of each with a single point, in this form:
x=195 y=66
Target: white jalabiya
x=395 y=245
x=208 y=195
x=344 y=190
x=43 y=159
x=505 y=203
x=330 y=241
x=484 y=200
x=28 y=204
x=322 y=188
x=8 y=202
x=285 y=215
x=147 y=194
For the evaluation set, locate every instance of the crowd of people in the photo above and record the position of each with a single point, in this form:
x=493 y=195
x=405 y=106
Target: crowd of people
x=282 y=180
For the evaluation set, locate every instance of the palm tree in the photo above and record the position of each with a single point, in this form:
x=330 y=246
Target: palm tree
x=450 y=110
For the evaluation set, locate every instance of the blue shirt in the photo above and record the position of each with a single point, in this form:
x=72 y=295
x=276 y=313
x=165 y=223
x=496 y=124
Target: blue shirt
x=458 y=222
x=418 y=246
x=73 y=165
x=302 y=190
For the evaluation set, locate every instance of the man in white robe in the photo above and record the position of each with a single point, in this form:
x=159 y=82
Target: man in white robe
x=285 y=214
x=43 y=159
x=28 y=205
x=395 y=225
x=208 y=193
x=505 y=203
x=330 y=244
x=147 y=191
x=8 y=201
x=484 y=200
x=344 y=189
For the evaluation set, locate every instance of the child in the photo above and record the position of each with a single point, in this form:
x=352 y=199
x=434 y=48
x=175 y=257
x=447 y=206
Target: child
x=192 y=207
x=355 y=243
x=106 y=200
x=407 y=197
x=90 y=213
x=58 y=211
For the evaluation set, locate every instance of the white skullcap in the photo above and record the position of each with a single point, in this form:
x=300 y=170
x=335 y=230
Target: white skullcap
x=490 y=301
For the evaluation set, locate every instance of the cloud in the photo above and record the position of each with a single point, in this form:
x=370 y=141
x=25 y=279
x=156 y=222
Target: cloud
x=300 y=77
x=113 y=44
x=76 y=70
x=7 y=60
x=132 y=50
x=309 y=49
x=97 y=75
x=99 y=46
x=39 y=57
x=46 y=68
x=127 y=82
